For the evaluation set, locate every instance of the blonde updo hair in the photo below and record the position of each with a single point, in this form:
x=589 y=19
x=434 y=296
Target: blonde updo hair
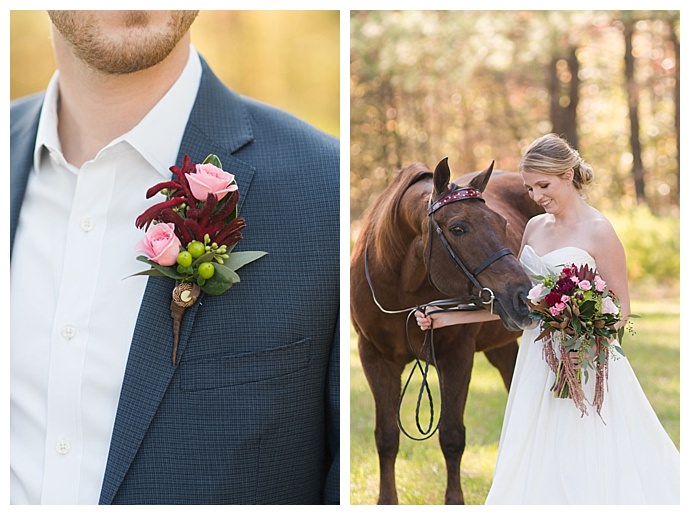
x=552 y=155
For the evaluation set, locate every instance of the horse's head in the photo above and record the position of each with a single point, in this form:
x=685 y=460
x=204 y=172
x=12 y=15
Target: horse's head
x=467 y=252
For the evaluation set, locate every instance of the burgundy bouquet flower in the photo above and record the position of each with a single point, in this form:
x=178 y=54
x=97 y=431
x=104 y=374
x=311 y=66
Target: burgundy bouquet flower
x=579 y=316
x=191 y=235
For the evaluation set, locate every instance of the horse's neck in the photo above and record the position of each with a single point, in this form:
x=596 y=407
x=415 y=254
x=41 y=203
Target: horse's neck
x=397 y=236
x=413 y=272
x=411 y=230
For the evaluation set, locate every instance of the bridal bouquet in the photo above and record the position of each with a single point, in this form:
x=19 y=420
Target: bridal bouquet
x=578 y=315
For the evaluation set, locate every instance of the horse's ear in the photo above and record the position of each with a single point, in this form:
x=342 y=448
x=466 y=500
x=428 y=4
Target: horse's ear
x=481 y=180
x=441 y=176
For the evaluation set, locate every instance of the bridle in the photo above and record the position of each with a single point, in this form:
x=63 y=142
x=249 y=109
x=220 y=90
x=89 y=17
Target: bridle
x=470 y=302
x=485 y=295
x=462 y=303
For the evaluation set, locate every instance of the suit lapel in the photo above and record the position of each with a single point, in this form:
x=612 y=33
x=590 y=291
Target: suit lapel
x=218 y=124
x=23 y=141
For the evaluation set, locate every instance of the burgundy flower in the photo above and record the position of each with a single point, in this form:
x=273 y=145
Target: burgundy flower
x=569 y=271
x=565 y=285
x=193 y=218
x=552 y=298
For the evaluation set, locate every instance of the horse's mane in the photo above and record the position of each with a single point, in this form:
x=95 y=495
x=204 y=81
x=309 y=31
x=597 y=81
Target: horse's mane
x=381 y=229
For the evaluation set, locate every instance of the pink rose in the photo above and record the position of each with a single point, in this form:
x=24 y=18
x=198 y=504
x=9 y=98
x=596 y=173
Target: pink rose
x=210 y=179
x=160 y=244
x=599 y=283
x=556 y=310
x=585 y=285
x=536 y=292
x=608 y=306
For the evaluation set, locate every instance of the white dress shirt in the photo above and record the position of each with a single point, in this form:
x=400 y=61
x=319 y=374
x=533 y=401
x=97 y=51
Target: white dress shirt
x=73 y=304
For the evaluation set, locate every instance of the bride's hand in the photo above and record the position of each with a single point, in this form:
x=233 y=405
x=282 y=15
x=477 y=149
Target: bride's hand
x=424 y=321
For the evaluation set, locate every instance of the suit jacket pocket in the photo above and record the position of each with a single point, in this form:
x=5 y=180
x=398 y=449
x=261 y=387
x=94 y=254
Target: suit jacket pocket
x=226 y=371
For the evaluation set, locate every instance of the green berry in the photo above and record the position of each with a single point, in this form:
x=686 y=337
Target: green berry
x=196 y=249
x=206 y=270
x=184 y=259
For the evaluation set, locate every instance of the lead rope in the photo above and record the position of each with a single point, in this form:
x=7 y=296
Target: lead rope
x=424 y=388
x=428 y=345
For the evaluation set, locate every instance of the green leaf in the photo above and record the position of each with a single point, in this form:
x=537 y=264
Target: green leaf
x=576 y=325
x=151 y=272
x=222 y=280
x=619 y=349
x=204 y=258
x=239 y=259
x=577 y=344
x=167 y=271
x=213 y=160
x=587 y=309
x=621 y=333
x=569 y=342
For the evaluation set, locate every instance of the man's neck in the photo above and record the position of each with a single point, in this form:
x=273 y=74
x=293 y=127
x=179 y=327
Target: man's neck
x=94 y=108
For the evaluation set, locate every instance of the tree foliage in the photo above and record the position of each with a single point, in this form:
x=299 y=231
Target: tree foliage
x=479 y=86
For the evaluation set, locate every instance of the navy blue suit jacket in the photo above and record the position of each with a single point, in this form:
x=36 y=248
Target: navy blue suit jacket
x=250 y=415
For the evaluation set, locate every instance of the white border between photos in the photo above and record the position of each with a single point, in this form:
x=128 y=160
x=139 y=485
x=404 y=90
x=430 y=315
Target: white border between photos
x=345 y=7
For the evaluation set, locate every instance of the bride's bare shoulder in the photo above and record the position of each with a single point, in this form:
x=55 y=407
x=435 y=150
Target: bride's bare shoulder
x=599 y=225
x=538 y=221
x=602 y=236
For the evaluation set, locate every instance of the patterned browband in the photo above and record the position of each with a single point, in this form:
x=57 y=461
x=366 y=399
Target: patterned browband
x=454 y=196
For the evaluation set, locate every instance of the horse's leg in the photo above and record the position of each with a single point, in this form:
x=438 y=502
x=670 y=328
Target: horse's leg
x=503 y=358
x=455 y=368
x=384 y=380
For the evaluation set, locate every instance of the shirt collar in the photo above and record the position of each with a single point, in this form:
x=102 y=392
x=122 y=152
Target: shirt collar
x=156 y=137
x=47 y=136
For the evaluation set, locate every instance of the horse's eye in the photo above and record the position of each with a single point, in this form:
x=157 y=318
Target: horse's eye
x=458 y=229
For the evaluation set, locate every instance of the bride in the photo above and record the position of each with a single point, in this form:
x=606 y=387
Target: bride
x=549 y=453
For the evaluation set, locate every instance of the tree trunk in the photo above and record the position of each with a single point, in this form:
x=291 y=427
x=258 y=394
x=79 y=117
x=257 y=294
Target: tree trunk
x=633 y=102
x=564 y=95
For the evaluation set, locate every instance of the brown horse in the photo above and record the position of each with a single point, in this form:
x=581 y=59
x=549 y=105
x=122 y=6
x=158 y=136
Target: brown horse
x=427 y=238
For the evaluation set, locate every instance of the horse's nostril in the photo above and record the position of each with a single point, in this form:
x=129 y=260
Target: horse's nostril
x=521 y=302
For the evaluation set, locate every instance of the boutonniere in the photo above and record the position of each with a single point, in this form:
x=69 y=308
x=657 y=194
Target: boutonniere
x=191 y=235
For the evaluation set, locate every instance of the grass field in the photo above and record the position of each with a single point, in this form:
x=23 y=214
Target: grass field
x=654 y=352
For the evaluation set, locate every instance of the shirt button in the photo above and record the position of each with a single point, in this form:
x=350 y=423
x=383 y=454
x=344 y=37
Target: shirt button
x=68 y=332
x=62 y=447
x=86 y=223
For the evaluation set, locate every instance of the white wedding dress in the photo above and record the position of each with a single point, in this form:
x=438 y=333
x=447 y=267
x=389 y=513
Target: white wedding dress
x=549 y=454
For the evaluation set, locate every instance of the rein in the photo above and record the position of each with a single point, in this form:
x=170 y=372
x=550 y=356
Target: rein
x=466 y=303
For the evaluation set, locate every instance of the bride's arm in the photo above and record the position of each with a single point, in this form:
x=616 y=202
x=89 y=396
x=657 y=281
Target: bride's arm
x=611 y=264
x=438 y=319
